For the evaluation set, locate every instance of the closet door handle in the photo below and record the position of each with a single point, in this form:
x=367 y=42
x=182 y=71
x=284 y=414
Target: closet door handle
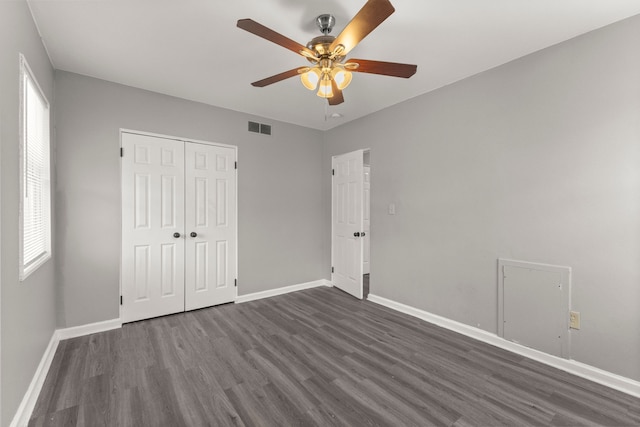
x=193 y=234
x=176 y=235
x=356 y=234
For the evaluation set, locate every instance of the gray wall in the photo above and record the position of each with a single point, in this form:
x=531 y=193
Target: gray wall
x=28 y=308
x=536 y=160
x=280 y=205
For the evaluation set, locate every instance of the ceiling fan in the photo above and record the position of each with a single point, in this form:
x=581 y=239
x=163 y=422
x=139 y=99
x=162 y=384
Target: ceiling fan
x=329 y=72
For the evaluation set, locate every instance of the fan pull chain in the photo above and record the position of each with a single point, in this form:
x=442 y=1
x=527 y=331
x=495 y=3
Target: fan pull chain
x=326 y=111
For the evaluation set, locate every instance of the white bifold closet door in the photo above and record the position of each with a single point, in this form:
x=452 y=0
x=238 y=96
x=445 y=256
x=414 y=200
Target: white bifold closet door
x=178 y=226
x=210 y=225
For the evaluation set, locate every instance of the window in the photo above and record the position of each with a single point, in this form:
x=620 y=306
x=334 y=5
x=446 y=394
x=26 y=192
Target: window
x=35 y=182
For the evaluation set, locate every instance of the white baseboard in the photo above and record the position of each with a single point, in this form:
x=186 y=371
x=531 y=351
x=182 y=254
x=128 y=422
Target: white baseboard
x=284 y=290
x=21 y=418
x=614 y=381
x=91 y=328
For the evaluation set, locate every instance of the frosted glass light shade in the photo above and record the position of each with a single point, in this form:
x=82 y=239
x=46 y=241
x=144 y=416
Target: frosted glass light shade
x=310 y=79
x=342 y=77
x=325 y=90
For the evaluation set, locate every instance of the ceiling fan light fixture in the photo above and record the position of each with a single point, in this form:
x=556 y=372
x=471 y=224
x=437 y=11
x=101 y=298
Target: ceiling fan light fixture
x=325 y=90
x=329 y=74
x=311 y=78
x=341 y=76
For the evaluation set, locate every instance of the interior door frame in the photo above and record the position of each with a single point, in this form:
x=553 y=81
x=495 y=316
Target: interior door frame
x=364 y=150
x=176 y=138
x=366 y=208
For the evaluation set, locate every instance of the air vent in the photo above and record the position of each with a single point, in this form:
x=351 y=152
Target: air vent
x=265 y=129
x=254 y=127
x=260 y=128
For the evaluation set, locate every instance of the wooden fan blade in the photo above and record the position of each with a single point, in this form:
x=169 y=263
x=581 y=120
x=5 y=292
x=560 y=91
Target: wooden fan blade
x=393 y=69
x=268 y=34
x=337 y=97
x=278 y=77
x=372 y=14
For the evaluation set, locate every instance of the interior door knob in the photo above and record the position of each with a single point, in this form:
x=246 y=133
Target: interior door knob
x=362 y=234
x=176 y=235
x=193 y=234
x=356 y=234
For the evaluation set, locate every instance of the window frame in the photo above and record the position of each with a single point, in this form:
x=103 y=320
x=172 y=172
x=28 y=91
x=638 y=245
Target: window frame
x=27 y=81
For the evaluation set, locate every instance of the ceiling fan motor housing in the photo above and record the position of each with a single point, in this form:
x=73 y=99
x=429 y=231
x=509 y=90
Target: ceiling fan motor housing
x=321 y=45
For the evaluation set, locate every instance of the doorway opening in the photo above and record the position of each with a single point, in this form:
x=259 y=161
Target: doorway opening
x=366 y=218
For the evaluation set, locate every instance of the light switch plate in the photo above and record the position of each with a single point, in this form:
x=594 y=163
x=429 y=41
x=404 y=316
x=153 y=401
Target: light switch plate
x=574 y=319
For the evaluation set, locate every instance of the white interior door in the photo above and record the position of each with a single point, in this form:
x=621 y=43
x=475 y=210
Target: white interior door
x=366 y=220
x=152 y=227
x=347 y=226
x=210 y=225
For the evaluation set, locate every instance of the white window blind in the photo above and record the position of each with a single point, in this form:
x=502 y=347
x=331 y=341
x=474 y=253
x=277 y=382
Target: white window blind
x=35 y=209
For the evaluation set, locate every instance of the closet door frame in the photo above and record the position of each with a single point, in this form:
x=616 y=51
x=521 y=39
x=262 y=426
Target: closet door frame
x=186 y=140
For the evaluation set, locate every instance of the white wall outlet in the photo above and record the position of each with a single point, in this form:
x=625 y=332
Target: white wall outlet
x=574 y=319
x=392 y=208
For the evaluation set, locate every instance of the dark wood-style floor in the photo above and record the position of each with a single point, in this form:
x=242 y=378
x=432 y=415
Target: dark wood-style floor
x=315 y=357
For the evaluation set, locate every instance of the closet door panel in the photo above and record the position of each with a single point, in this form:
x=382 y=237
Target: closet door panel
x=152 y=212
x=210 y=205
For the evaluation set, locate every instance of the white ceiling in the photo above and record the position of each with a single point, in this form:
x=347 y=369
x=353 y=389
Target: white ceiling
x=192 y=49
